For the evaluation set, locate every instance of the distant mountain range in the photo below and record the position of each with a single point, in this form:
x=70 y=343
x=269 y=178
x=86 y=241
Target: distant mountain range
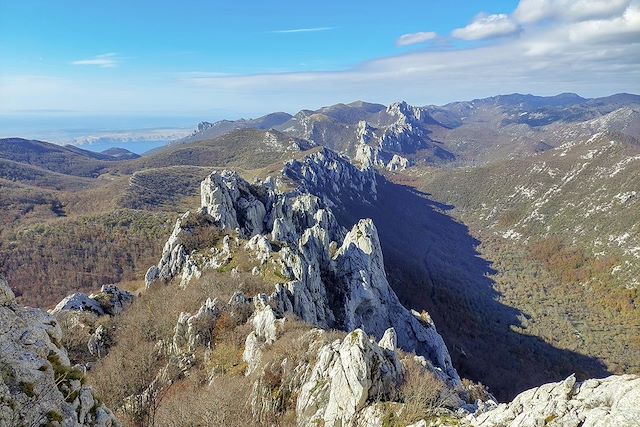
x=461 y=132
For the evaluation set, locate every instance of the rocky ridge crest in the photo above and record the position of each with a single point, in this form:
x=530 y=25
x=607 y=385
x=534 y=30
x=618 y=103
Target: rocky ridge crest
x=333 y=278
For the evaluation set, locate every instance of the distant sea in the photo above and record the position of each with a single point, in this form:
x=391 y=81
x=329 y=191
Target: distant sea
x=135 y=133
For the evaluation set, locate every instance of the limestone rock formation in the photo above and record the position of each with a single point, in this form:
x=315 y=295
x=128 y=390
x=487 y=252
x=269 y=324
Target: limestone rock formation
x=78 y=302
x=266 y=328
x=252 y=354
x=175 y=261
x=195 y=330
x=97 y=344
x=110 y=300
x=173 y=255
x=332 y=177
x=397 y=163
x=370 y=303
x=369 y=151
x=347 y=375
x=405 y=135
x=222 y=193
x=260 y=246
x=612 y=401
x=332 y=279
x=37 y=383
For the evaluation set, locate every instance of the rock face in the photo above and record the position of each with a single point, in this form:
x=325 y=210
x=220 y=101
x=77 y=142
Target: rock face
x=266 y=327
x=97 y=344
x=347 y=376
x=331 y=278
x=370 y=303
x=332 y=177
x=367 y=149
x=173 y=258
x=397 y=163
x=192 y=331
x=37 y=383
x=110 y=300
x=612 y=401
x=386 y=150
x=79 y=302
x=222 y=193
x=406 y=134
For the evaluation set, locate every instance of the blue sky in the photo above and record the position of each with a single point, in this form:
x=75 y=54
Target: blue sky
x=208 y=60
x=245 y=37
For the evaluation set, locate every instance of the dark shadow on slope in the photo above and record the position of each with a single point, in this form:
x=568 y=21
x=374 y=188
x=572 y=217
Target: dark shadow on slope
x=432 y=264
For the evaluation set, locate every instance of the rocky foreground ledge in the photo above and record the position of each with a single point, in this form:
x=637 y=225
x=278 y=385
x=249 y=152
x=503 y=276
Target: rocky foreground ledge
x=608 y=402
x=38 y=385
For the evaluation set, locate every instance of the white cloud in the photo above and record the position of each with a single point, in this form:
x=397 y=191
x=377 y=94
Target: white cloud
x=107 y=60
x=415 y=38
x=530 y=11
x=303 y=30
x=626 y=27
x=486 y=27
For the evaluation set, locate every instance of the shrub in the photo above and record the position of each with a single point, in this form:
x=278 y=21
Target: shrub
x=423 y=394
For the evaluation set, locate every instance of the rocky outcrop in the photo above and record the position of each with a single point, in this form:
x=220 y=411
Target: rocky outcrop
x=368 y=156
x=221 y=193
x=348 y=289
x=397 y=163
x=192 y=331
x=332 y=177
x=98 y=344
x=79 y=302
x=293 y=214
x=109 y=301
x=346 y=377
x=370 y=303
x=261 y=247
x=331 y=279
x=349 y=381
x=177 y=259
x=112 y=299
x=406 y=131
x=173 y=257
x=38 y=385
x=612 y=401
x=367 y=147
x=370 y=152
x=266 y=328
x=406 y=134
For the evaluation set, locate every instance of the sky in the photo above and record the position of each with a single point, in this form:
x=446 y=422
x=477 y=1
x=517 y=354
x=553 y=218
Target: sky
x=169 y=63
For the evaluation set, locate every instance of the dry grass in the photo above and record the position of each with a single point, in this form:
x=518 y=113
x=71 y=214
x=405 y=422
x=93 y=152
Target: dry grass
x=220 y=403
x=423 y=394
